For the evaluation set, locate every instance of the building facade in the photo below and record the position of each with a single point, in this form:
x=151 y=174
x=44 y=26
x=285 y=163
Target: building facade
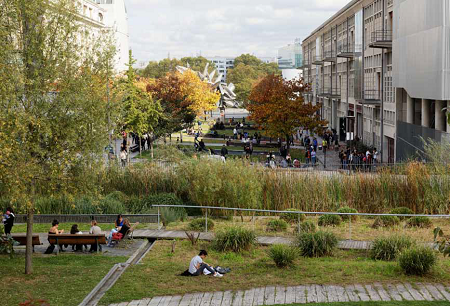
x=223 y=64
x=380 y=69
x=290 y=56
x=100 y=15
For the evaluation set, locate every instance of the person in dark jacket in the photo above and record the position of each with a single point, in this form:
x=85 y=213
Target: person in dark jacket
x=224 y=151
x=8 y=220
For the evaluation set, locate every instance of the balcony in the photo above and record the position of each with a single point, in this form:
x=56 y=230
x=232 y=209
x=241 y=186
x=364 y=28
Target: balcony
x=317 y=60
x=371 y=97
x=348 y=51
x=306 y=64
x=332 y=93
x=381 y=39
x=329 y=56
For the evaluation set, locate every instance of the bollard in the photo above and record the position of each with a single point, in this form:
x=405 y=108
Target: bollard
x=298 y=217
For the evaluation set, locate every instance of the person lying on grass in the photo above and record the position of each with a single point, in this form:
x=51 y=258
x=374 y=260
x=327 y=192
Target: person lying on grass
x=197 y=266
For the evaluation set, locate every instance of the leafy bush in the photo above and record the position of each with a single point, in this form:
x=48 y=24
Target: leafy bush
x=169 y=215
x=422 y=222
x=417 y=261
x=110 y=205
x=277 y=225
x=402 y=211
x=347 y=210
x=385 y=221
x=292 y=218
x=389 y=248
x=85 y=205
x=236 y=239
x=316 y=244
x=199 y=224
x=330 y=220
x=307 y=226
x=282 y=255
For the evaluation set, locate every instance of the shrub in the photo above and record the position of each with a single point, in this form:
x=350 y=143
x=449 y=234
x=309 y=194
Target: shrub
x=169 y=215
x=110 y=205
x=402 y=211
x=277 y=225
x=85 y=205
x=199 y=224
x=422 y=222
x=385 y=221
x=236 y=239
x=307 y=226
x=330 y=220
x=282 y=255
x=389 y=248
x=347 y=209
x=417 y=261
x=316 y=244
x=292 y=218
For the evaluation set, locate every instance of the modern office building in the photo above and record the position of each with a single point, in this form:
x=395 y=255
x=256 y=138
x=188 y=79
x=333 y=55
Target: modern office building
x=224 y=63
x=290 y=56
x=381 y=70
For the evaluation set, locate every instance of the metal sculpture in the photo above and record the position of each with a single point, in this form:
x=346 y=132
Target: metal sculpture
x=227 y=95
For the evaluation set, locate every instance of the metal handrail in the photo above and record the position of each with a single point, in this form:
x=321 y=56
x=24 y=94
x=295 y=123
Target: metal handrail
x=381 y=35
x=372 y=94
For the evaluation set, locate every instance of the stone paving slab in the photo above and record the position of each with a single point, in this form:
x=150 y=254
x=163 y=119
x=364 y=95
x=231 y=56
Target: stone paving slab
x=275 y=295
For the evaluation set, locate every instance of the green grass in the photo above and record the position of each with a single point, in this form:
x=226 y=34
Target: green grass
x=158 y=273
x=84 y=227
x=62 y=280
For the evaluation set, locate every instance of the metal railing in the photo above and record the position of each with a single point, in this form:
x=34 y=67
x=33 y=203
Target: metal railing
x=381 y=36
x=331 y=92
x=298 y=213
x=349 y=49
x=317 y=60
x=329 y=55
x=372 y=95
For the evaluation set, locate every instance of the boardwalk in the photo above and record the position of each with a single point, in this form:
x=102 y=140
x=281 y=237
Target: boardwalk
x=262 y=240
x=275 y=295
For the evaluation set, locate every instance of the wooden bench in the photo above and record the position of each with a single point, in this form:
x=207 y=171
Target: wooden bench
x=22 y=239
x=76 y=239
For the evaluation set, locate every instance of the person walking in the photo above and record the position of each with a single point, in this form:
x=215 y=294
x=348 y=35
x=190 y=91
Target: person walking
x=8 y=220
x=224 y=152
x=123 y=157
x=313 y=157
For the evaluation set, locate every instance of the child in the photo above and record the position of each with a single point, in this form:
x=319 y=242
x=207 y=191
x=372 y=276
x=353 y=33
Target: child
x=8 y=220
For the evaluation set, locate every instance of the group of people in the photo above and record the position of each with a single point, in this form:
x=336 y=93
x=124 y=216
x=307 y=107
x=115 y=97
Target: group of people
x=54 y=230
x=362 y=161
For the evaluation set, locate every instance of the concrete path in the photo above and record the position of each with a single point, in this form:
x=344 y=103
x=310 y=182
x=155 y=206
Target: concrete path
x=275 y=295
x=262 y=240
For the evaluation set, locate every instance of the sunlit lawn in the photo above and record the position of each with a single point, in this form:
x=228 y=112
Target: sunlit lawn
x=159 y=273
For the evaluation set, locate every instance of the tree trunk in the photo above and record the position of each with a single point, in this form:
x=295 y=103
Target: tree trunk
x=288 y=143
x=140 y=150
x=29 y=249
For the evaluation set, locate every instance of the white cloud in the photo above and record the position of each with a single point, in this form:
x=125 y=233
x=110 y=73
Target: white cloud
x=227 y=28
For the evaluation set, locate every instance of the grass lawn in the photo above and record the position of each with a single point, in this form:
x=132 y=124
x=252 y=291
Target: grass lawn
x=84 y=227
x=62 y=280
x=158 y=274
x=361 y=229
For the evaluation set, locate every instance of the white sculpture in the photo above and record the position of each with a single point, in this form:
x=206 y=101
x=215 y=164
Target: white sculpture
x=227 y=95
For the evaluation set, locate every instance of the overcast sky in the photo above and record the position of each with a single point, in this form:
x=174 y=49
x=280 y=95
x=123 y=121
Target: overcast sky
x=223 y=28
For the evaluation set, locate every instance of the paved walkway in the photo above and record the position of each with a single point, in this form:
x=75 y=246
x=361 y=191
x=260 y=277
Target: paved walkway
x=263 y=240
x=271 y=295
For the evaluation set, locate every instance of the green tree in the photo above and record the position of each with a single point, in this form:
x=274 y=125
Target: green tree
x=247 y=71
x=140 y=113
x=159 y=69
x=52 y=99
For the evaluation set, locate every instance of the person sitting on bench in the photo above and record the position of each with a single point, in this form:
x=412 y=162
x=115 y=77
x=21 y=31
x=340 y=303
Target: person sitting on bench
x=121 y=233
x=54 y=231
x=197 y=266
x=95 y=230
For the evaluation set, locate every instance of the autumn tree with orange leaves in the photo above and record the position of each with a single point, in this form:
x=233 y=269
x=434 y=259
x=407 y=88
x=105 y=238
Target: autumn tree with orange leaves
x=278 y=107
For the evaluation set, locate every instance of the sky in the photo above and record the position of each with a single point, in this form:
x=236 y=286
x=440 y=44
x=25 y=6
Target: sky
x=221 y=28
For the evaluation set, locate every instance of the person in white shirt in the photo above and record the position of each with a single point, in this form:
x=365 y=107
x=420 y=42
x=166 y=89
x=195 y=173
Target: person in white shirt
x=197 y=266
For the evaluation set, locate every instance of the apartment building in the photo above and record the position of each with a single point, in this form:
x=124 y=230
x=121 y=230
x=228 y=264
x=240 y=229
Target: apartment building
x=290 y=56
x=381 y=70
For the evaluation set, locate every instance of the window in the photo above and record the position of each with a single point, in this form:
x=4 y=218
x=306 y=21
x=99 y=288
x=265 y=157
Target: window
x=100 y=17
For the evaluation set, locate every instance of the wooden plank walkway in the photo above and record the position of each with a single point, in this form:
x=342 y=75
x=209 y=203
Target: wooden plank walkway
x=276 y=295
x=262 y=240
